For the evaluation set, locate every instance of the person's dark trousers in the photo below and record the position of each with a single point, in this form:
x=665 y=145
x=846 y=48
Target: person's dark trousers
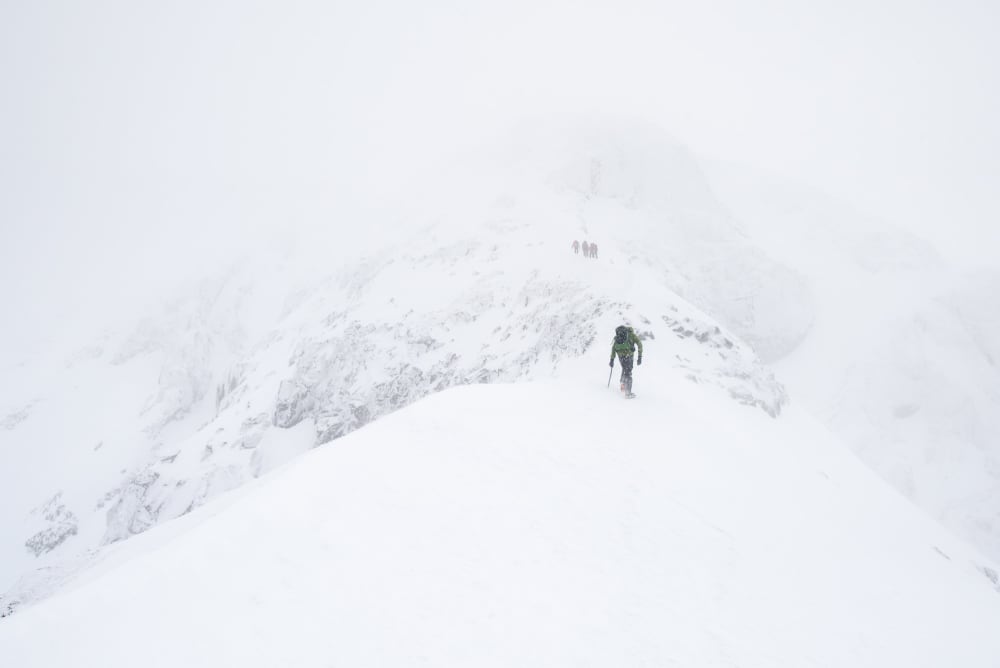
x=626 y=362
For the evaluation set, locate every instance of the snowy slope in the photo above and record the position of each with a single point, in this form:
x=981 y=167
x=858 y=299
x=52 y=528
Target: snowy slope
x=636 y=187
x=549 y=523
x=262 y=364
x=902 y=359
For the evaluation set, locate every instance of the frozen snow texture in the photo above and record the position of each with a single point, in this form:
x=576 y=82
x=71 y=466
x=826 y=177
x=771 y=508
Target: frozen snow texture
x=542 y=524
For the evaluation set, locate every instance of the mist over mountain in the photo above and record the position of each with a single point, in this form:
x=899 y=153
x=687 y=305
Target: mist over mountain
x=900 y=362
x=282 y=352
x=306 y=354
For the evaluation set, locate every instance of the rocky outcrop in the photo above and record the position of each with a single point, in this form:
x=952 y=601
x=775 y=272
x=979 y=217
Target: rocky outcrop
x=60 y=524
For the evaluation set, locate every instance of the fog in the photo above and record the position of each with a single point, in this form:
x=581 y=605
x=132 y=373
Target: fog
x=143 y=143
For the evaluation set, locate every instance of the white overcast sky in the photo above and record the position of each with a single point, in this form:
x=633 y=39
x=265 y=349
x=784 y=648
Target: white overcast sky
x=141 y=138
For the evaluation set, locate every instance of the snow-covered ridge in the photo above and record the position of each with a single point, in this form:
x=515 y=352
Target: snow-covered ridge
x=261 y=364
x=252 y=370
x=637 y=188
x=545 y=523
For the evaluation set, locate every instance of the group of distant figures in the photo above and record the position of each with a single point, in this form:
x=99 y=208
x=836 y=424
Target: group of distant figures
x=589 y=249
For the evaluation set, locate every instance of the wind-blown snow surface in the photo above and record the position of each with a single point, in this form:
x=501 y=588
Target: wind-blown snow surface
x=542 y=524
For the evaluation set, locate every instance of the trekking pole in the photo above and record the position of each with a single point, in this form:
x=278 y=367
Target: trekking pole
x=611 y=372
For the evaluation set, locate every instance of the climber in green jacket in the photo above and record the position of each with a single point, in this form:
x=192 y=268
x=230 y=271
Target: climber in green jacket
x=624 y=345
